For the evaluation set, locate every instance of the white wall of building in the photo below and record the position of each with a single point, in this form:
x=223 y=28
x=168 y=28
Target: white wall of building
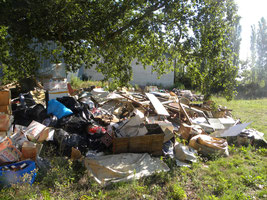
x=141 y=76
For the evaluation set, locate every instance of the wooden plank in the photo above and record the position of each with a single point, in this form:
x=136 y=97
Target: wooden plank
x=174 y=105
x=185 y=113
x=159 y=108
x=139 y=144
x=137 y=102
x=195 y=110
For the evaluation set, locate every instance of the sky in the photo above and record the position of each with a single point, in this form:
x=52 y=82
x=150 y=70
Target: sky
x=251 y=11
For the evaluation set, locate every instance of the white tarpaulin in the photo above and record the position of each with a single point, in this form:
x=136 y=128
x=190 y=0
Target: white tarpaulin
x=123 y=167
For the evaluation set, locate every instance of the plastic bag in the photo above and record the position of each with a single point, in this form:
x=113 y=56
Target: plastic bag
x=37 y=113
x=66 y=141
x=51 y=121
x=74 y=124
x=70 y=103
x=58 y=109
x=184 y=153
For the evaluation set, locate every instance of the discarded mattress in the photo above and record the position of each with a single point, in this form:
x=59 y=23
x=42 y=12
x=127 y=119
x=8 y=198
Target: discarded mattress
x=123 y=167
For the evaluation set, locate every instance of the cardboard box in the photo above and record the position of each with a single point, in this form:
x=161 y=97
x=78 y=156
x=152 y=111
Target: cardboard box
x=4 y=122
x=6 y=109
x=151 y=143
x=54 y=94
x=37 y=132
x=8 y=152
x=30 y=150
x=5 y=97
x=51 y=84
x=3 y=135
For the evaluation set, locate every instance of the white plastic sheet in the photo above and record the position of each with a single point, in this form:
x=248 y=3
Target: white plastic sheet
x=123 y=167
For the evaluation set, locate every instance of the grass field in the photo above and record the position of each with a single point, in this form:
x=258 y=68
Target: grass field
x=254 y=111
x=242 y=175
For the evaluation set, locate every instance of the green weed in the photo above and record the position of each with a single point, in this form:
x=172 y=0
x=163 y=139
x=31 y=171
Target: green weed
x=176 y=192
x=262 y=194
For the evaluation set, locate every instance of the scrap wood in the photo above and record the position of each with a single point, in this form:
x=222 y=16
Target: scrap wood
x=167 y=102
x=195 y=110
x=226 y=109
x=139 y=96
x=159 y=108
x=185 y=113
x=161 y=99
x=8 y=86
x=173 y=107
x=137 y=102
x=200 y=108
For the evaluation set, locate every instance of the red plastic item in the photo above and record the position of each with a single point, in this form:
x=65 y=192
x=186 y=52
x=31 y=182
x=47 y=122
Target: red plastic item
x=97 y=129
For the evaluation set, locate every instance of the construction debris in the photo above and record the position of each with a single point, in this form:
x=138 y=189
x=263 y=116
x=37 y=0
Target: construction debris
x=88 y=124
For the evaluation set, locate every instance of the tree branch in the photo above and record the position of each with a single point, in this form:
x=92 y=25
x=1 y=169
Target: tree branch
x=135 y=21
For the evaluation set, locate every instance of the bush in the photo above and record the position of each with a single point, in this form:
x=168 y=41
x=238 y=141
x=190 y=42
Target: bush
x=251 y=91
x=75 y=82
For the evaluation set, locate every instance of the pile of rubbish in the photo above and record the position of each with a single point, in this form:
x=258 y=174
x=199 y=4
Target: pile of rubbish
x=117 y=135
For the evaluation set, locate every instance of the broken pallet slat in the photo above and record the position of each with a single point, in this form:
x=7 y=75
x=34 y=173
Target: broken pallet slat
x=195 y=110
x=135 y=101
x=159 y=108
x=185 y=113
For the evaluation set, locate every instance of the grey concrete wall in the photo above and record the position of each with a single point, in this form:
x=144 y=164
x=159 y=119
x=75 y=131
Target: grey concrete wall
x=141 y=76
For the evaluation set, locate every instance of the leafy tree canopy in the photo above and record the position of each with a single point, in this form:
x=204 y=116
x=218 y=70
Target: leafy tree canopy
x=199 y=34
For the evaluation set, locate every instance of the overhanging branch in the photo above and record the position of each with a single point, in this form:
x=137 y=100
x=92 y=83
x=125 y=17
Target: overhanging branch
x=135 y=21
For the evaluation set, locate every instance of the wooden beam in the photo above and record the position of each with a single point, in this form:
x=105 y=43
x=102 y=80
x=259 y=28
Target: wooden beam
x=159 y=108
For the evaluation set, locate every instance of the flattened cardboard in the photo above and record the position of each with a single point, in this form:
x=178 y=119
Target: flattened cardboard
x=5 y=97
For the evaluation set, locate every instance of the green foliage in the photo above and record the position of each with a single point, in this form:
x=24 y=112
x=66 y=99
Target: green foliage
x=254 y=76
x=261 y=44
x=262 y=151
x=177 y=192
x=113 y=85
x=212 y=66
x=179 y=85
x=137 y=87
x=251 y=180
x=262 y=194
x=77 y=83
x=198 y=35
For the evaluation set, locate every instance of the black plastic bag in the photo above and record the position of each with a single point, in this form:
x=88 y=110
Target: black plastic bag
x=73 y=124
x=50 y=121
x=66 y=141
x=71 y=103
x=37 y=113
